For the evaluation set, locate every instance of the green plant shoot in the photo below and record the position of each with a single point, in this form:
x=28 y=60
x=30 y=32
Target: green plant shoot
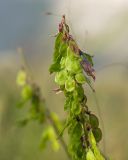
x=73 y=68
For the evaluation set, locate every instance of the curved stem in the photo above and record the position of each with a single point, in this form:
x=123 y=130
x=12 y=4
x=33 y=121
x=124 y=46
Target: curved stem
x=57 y=133
x=48 y=112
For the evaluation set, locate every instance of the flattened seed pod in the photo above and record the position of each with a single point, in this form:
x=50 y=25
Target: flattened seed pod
x=97 y=134
x=93 y=121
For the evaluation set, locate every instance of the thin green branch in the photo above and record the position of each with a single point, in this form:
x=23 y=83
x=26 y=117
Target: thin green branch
x=48 y=112
x=57 y=133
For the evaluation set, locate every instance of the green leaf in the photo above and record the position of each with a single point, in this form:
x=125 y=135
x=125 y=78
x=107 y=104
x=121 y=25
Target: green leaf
x=75 y=130
x=49 y=135
x=75 y=147
x=94 y=147
x=78 y=130
x=55 y=145
x=56 y=120
x=57 y=47
x=62 y=62
x=92 y=139
x=97 y=154
x=44 y=139
x=57 y=55
x=52 y=137
x=55 y=67
x=70 y=84
x=61 y=77
x=63 y=49
x=70 y=53
x=90 y=155
x=80 y=78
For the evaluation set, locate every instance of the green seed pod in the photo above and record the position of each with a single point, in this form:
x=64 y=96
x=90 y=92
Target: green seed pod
x=78 y=93
x=70 y=84
x=80 y=78
x=62 y=62
x=70 y=53
x=93 y=121
x=97 y=134
x=61 y=77
x=73 y=65
x=75 y=108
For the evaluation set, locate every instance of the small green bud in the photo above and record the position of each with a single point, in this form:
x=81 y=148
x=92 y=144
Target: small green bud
x=52 y=137
x=27 y=92
x=21 y=78
x=55 y=145
x=56 y=120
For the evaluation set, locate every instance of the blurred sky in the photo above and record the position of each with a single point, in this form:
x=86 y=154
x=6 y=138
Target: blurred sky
x=98 y=26
x=20 y=21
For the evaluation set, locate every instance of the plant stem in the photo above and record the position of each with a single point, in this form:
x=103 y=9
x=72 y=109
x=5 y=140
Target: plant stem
x=48 y=112
x=57 y=133
x=84 y=127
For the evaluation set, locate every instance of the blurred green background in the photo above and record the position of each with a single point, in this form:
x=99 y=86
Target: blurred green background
x=101 y=29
